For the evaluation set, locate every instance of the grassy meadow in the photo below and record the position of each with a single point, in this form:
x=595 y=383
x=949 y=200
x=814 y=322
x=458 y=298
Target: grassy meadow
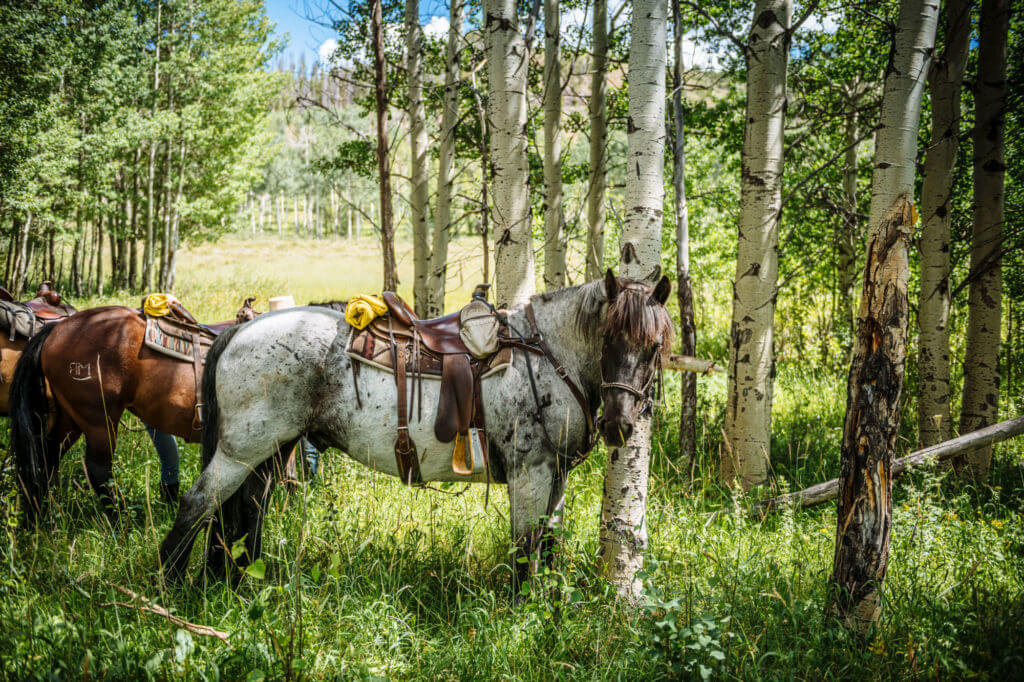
x=365 y=578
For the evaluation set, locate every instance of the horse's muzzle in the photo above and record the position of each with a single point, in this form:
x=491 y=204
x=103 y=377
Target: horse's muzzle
x=614 y=432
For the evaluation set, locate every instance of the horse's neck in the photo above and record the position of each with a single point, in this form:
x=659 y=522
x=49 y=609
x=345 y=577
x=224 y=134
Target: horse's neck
x=576 y=350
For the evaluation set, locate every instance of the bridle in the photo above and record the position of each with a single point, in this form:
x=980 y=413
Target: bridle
x=646 y=396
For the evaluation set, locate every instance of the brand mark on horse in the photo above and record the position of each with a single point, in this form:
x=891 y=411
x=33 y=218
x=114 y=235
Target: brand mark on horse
x=80 y=371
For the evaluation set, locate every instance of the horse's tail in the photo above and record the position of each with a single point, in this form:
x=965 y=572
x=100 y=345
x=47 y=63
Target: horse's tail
x=29 y=410
x=211 y=414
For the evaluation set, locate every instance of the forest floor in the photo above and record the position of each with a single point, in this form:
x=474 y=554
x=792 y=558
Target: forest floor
x=365 y=578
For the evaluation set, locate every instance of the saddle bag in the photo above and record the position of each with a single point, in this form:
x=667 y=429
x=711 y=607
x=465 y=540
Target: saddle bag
x=478 y=329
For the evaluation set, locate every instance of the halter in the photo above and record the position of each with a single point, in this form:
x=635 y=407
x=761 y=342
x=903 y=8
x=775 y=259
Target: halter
x=644 y=399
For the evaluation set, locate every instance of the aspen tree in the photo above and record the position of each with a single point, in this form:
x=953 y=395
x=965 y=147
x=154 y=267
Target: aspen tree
x=554 y=238
x=446 y=162
x=598 y=143
x=623 y=528
x=945 y=79
x=507 y=61
x=748 y=418
x=387 y=225
x=875 y=385
x=980 y=405
x=417 y=158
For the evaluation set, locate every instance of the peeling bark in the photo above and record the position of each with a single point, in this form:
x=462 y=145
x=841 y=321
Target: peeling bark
x=751 y=347
x=946 y=77
x=980 y=406
x=875 y=385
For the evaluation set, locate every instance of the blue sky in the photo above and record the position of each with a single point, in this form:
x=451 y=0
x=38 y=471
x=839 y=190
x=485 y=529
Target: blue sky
x=304 y=36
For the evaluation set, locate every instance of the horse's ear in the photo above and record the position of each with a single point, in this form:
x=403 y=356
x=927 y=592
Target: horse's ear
x=661 y=291
x=611 y=285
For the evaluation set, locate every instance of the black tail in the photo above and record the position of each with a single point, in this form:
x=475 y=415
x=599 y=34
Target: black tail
x=211 y=415
x=29 y=410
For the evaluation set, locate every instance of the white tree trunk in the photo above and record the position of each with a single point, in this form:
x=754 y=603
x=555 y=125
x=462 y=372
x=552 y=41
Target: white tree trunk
x=980 y=406
x=847 y=229
x=624 y=507
x=875 y=384
x=946 y=77
x=748 y=418
x=446 y=162
x=554 y=239
x=684 y=290
x=598 y=141
x=418 y=158
x=507 y=61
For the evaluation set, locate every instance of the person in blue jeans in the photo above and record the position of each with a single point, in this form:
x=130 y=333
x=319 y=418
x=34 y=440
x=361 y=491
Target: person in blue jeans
x=167 y=450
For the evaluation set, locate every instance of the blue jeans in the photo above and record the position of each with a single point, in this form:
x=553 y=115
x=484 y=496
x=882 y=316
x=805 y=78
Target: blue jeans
x=167 y=451
x=311 y=455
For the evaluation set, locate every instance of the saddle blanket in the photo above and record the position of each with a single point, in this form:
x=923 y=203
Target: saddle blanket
x=176 y=340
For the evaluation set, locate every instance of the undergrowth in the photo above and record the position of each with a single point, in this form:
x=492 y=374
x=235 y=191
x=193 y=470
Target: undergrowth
x=363 y=578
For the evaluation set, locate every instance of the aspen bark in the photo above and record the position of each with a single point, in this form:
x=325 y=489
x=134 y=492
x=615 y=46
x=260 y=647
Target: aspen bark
x=598 y=143
x=387 y=225
x=554 y=238
x=446 y=162
x=417 y=159
x=980 y=405
x=751 y=348
x=507 y=61
x=623 y=527
x=875 y=384
x=147 y=256
x=684 y=290
x=945 y=79
x=846 y=239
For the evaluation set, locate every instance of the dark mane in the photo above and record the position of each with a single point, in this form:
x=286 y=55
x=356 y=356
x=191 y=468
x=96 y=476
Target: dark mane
x=632 y=314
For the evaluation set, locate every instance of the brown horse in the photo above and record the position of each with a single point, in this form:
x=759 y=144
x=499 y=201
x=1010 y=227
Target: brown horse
x=20 y=321
x=96 y=366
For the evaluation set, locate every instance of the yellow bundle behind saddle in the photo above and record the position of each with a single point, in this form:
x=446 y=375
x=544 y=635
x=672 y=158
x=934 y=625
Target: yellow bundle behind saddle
x=363 y=309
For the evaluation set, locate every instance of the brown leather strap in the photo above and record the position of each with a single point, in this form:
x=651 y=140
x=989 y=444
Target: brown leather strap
x=560 y=371
x=405 y=449
x=197 y=370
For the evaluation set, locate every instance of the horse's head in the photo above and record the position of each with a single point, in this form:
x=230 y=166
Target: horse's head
x=636 y=332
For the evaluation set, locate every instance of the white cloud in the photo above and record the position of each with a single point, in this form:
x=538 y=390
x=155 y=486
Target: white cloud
x=436 y=28
x=326 y=51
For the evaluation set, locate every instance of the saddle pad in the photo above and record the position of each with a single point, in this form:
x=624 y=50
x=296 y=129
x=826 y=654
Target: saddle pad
x=369 y=349
x=174 y=340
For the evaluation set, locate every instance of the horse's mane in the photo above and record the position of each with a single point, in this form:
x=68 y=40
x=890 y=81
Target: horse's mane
x=632 y=314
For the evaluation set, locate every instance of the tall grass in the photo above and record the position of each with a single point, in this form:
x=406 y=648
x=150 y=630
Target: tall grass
x=366 y=578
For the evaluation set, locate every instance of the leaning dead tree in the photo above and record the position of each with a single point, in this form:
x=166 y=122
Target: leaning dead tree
x=982 y=438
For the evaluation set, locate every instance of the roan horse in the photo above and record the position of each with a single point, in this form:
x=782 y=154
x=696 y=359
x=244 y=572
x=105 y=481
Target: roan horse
x=287 y=375
x=19 y=322
x=96 y=365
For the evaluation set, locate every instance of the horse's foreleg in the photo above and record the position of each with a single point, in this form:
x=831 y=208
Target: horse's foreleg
x=215 y=485
x=536 y=498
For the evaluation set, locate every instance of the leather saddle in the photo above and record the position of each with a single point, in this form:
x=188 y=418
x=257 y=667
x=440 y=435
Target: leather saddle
x=407 y=346
x=27 y=318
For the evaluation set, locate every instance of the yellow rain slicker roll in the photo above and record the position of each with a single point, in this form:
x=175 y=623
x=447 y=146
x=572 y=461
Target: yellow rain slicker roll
x=362 y=310
x=158 y=305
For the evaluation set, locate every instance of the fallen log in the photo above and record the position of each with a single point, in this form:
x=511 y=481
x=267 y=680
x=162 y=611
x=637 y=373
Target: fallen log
x=829 y=490
x=685 y=363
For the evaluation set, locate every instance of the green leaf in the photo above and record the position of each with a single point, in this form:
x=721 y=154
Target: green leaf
x=257 y=569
